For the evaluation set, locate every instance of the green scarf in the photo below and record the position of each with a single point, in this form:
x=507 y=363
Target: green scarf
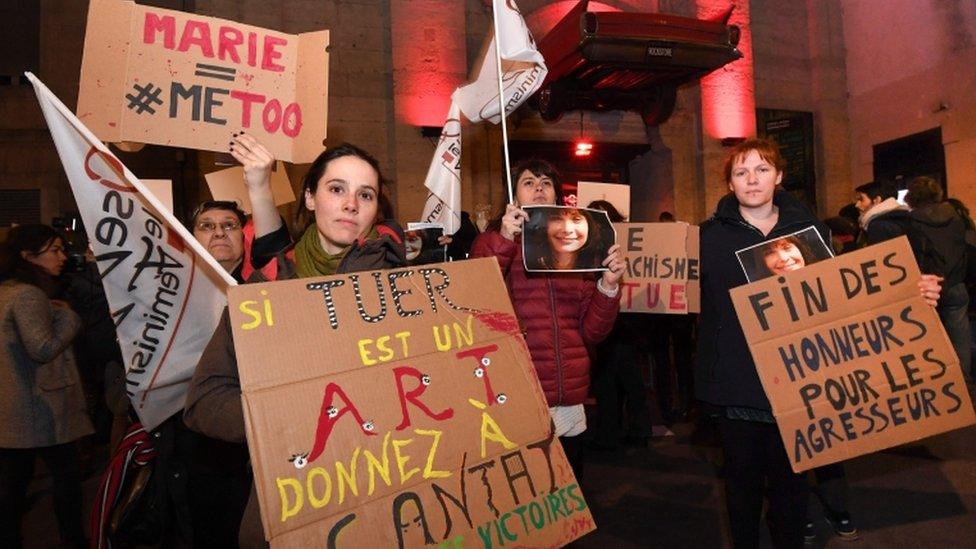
x=312 y=260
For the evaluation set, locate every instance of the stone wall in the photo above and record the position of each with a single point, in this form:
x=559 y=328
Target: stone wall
x=911 y=68
x=800 y=63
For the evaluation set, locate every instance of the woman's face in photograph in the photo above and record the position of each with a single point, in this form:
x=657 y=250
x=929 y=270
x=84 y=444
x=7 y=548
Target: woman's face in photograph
x=567 y=231
x=413 y=243
x=753 y=180
x=783 y=257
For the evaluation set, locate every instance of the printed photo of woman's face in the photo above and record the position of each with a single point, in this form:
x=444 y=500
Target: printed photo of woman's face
x=567 y=231
x=783 y=256
x=414 y=242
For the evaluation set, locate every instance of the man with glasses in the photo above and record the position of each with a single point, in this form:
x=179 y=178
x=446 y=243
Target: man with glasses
x=218 y=225
x=221 y=226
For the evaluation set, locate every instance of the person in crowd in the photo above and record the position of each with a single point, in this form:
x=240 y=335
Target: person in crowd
x=561 y=313
x=938 y=237
x=618 y=374
x=96 y=348
x=881 y=216
x=843 y=234
x=963 y=212
x=460 y=244
x=42 y=401
x=566 y=240
x=218 y=225
x=672 y=345
x=345 y=231
x=217 y=475
x=756 y=463
x=239 y=244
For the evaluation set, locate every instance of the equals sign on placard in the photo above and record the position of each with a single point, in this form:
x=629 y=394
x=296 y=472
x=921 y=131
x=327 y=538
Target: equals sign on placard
x=213 y=71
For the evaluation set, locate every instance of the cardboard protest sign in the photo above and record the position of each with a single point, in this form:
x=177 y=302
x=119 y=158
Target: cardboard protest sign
x=228 y=184
x=163 y=190
x=851 y=357
x=151 y=75
x=663 y=270
x=614 y=193
x=786 y=253
x=399 y=408
x=565 y=239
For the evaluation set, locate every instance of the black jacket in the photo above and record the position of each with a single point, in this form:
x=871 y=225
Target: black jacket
x=945 y=232
x=725 y=374
x=886 y=226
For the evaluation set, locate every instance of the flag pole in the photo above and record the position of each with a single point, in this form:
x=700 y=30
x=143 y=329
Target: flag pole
x=501 y=101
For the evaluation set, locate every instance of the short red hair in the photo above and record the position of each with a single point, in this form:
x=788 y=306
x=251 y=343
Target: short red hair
x=767 y=148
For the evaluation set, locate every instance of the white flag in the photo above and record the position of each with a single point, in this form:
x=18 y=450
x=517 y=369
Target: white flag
x=523 y=70
x=444 y=177
x=165 y=291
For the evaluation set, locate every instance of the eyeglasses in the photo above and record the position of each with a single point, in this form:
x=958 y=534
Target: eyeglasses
x=210 y=226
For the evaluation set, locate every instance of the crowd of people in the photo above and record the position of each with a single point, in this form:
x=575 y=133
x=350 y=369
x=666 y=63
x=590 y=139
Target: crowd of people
x=579 y=342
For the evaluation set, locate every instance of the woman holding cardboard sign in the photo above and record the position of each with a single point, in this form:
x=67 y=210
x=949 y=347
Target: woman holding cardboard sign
x=561 y=314
x=344 y=232
x=756 y=463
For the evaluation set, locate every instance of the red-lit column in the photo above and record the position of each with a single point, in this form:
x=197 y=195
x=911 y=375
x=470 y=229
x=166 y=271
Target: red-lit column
x=429 y=61
x=728 y=94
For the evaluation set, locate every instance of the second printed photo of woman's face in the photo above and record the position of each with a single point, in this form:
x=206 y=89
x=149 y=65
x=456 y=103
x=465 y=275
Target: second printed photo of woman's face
x=783 y=256
x=413 y=243
x=567 y=230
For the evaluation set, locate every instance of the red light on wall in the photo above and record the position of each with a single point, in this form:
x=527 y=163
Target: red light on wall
x=728 y=94
x=584 y=148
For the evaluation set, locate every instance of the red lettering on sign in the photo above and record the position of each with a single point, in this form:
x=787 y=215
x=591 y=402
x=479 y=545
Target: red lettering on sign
x=271 y=117
x=329 y=415
x=228 y=40
x=291 y=124
x=413 y=396
x=271 y=54
x=677 y=301
x=480 y=354
x=154 y=24
x=196 y=33
x=246 y=99
x=263 y=50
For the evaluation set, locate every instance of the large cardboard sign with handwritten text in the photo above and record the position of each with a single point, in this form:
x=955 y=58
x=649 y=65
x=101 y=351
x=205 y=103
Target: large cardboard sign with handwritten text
x=663 y=270
x=151 y=75
x=851 y=357
x=399 y=408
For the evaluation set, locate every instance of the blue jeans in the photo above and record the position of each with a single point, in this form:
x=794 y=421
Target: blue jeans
x=953 y=305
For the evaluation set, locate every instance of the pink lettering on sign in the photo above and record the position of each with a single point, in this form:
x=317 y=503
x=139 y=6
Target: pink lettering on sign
x=201 y=37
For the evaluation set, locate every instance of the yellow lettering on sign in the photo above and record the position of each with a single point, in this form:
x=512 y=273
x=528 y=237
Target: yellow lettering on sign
x=347 y=477
x=299 y=497
x=429 y=471
x=382 y=346
x=402 y=460
x=256 y=317
x=374 y=466
x=463 y=335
